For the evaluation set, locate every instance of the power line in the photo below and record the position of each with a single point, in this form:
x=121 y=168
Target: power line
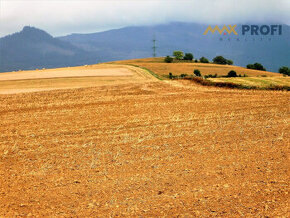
x=154 y=46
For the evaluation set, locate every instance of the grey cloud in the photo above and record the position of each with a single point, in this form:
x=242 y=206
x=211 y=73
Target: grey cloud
x=60 y=17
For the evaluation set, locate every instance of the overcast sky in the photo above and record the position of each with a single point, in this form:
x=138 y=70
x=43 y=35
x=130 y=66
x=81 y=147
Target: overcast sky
x=61 y=17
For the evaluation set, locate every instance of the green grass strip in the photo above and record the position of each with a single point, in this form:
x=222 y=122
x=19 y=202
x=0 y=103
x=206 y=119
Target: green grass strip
x=149 y=71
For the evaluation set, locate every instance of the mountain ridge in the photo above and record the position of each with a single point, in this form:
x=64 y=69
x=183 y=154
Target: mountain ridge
x=34 y=48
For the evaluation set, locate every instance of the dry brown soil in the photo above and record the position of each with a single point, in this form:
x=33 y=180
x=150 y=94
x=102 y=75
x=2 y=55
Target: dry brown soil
x=153 y=148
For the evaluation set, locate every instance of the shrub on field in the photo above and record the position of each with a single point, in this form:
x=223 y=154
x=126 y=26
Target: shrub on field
x=168 y=59
x=178 y=55
x=256 y=66
x=170 y=76
x=259 y=66
x=250 y=66
x=219 y=60
x=230 y=62
x=188 y=56
x=284 y=70
x=203 y=60
x=197 y=73
x=232 y=73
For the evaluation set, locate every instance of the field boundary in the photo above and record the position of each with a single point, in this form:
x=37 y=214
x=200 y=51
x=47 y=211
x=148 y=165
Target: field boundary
x=206 y=82
x=149 y=71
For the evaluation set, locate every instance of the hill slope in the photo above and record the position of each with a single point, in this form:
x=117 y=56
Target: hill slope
x=158 y=66
x=34 y=48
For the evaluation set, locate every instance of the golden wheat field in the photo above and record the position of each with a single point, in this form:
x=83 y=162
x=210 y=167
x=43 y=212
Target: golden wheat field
x=71 y=77
x=142 y=147
x=162 y=69
x=256 y=81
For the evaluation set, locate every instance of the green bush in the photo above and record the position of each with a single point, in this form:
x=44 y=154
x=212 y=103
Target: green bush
x=220 y=60
x=178 y=55
x=230 y=62
x=259 y=66
x=284 y=70
x=188 y=56
x=203 y=60
x=250 y=66
x=197 y=73
x=168 y=59
x=170 y=76
x=232 y=73
x=256 y=66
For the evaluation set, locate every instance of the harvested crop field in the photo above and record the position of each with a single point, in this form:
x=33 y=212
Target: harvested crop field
x=154 y=148
x=256 y=81
x=83 y=71
x=158 y=66
x=72 y=77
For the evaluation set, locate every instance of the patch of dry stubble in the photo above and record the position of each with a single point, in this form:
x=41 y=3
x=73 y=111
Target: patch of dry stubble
x=144 y=149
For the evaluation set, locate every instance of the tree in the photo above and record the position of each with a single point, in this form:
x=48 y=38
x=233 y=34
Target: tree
x=250 y=66
x=232 y=73
x=168 y=59
x=203 y=60
x=259 y=66
x=230 y=62
x=188 y=56
x=197 y=73
x=220 y=60
x=256 y=66
x=284 y=70
x=178 y=55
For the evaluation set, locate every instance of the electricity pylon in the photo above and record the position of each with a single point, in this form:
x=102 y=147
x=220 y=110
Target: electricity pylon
x=154 y=46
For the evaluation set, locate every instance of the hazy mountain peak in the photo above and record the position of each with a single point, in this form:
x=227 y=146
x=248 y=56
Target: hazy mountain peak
x=29 y=28
x=34 y=48
x=34 y=33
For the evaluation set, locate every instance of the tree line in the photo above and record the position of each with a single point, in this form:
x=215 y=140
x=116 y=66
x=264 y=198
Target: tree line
x=181 y=56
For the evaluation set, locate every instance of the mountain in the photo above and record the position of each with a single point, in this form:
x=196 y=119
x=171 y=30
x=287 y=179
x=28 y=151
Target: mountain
x=136 y=42
x=33 y=48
